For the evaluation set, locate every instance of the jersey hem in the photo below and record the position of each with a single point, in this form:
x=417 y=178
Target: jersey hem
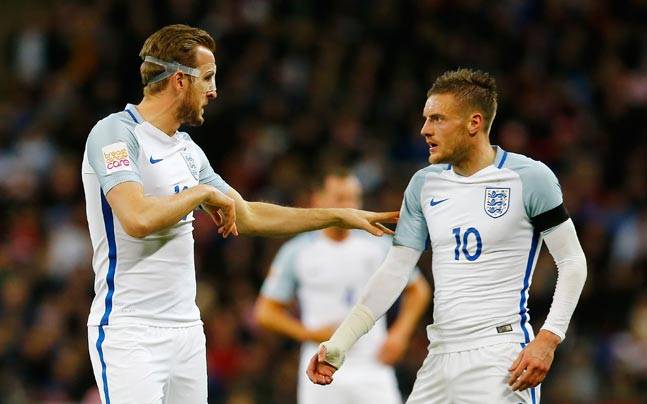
x=175 y=324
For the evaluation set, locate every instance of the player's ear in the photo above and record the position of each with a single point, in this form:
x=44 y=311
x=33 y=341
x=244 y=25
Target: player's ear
x=475 y=123
x=177 y=80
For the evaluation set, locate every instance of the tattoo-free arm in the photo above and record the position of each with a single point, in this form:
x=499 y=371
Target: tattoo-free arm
x=266 y=219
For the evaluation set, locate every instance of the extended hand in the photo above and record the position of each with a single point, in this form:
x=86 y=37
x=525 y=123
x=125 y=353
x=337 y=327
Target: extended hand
x=369 y=221
x=534 y=361
x=222 y=210
x=393 y=348
x=319 y=371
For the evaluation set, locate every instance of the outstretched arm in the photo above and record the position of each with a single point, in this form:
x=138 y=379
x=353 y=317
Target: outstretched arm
x=532 y=364
x=266 y=219
x=379 y=294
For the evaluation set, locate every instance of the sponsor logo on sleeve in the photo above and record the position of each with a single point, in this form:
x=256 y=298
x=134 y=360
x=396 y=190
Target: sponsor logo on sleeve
x=116 y=158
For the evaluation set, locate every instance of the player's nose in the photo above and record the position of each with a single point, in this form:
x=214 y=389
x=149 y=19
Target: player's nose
x=426 y=129
x=212 y=95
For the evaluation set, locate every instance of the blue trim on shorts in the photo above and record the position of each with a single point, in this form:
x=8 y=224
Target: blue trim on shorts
x=104 y=375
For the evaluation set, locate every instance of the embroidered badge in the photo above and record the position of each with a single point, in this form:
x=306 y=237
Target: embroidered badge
x=190 y=162
x=497 y=201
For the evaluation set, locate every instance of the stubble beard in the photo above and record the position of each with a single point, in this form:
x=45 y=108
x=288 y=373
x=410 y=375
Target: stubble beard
x=188 y=112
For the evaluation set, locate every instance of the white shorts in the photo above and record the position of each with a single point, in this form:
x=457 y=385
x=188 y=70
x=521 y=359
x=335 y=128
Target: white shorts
x=477 y=376
x=370 y=385
x=142 y=364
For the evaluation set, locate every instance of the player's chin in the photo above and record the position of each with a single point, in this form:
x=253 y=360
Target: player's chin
x=435 y=158
x=196 y=120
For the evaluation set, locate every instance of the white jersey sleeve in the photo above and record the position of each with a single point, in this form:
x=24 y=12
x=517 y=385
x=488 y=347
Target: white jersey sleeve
x=112 y=152
x=281 y=282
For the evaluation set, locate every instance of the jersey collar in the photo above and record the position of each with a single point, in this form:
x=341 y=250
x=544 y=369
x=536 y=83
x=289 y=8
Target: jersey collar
x=134 y=114
x=500 y=157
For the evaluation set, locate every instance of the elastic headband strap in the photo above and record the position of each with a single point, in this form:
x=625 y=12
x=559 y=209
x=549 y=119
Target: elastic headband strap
x=169 y=69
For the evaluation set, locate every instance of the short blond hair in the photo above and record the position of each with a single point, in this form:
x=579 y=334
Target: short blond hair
x=177 y=42
x=473 y=88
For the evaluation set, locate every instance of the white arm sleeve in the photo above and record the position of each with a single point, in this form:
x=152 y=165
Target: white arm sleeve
x=564 y=246
x=379 y=294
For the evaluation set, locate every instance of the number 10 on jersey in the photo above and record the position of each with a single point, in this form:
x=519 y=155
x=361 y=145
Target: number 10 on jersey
x=462 y=243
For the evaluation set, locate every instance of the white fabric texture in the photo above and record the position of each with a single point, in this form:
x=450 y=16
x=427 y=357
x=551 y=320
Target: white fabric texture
x=378 y=295
x=564 y=246
x=475 y=376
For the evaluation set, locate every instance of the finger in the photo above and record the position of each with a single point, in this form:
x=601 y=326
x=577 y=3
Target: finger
x=310 y=371
x=386 y=217
x=374 y=230
x=516 y=361
x=524 y=381
x=385 y=229
x=325 y=369
x=516 y=374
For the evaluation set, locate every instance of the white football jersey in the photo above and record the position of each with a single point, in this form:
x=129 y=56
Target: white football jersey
x=150 y=280
x=328 y=277
x=485 y=235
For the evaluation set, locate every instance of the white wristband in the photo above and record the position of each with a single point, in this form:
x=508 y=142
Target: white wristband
x=357 y=323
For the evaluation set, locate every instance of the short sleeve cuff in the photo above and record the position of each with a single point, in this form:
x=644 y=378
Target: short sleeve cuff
x=115 y=179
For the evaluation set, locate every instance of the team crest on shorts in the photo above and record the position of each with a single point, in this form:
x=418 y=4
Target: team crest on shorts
x=190 y=162
x=497 y=201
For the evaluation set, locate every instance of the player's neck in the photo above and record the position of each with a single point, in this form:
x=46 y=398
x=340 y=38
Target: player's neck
x=336 y=233
x=481 y=156
x=159 y=111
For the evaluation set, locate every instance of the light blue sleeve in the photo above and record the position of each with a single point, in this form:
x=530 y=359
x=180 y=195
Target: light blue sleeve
x=281 y=282
x=412 y=227
x=208 y=175
x=541 y=190
x=112 y=152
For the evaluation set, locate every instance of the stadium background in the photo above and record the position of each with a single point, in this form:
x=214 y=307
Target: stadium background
x=303 y=85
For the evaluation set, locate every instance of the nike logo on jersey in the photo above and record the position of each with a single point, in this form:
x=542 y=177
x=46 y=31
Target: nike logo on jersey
x=153 y=161
x=434 y=203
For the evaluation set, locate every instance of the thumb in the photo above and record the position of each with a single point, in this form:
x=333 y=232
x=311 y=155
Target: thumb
x=322 y=353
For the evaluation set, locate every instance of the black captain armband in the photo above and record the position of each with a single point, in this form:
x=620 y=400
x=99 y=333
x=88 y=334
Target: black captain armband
x=550 y=218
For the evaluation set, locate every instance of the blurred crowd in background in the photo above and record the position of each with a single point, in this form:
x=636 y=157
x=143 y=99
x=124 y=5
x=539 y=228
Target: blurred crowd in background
x=304 y=85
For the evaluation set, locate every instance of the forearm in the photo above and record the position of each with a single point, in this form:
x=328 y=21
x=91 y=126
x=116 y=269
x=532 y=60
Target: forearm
x=414 y=303
x=280 y=321
x=152 y=214
x=266 y=219
x=565 y=248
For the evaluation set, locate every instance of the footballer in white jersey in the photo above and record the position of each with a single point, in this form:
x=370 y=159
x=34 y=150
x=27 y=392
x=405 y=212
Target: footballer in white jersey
x=484 y=212
x=142 y=179
x=325 y=271
x=144 y=283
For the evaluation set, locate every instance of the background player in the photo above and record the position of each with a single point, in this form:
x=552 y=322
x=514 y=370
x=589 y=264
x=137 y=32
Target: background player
x=486 y=212
x=142 y=180
x=326 y=270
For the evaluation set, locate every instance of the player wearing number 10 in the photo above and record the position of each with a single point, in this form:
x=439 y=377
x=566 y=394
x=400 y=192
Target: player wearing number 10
x=485 y=213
